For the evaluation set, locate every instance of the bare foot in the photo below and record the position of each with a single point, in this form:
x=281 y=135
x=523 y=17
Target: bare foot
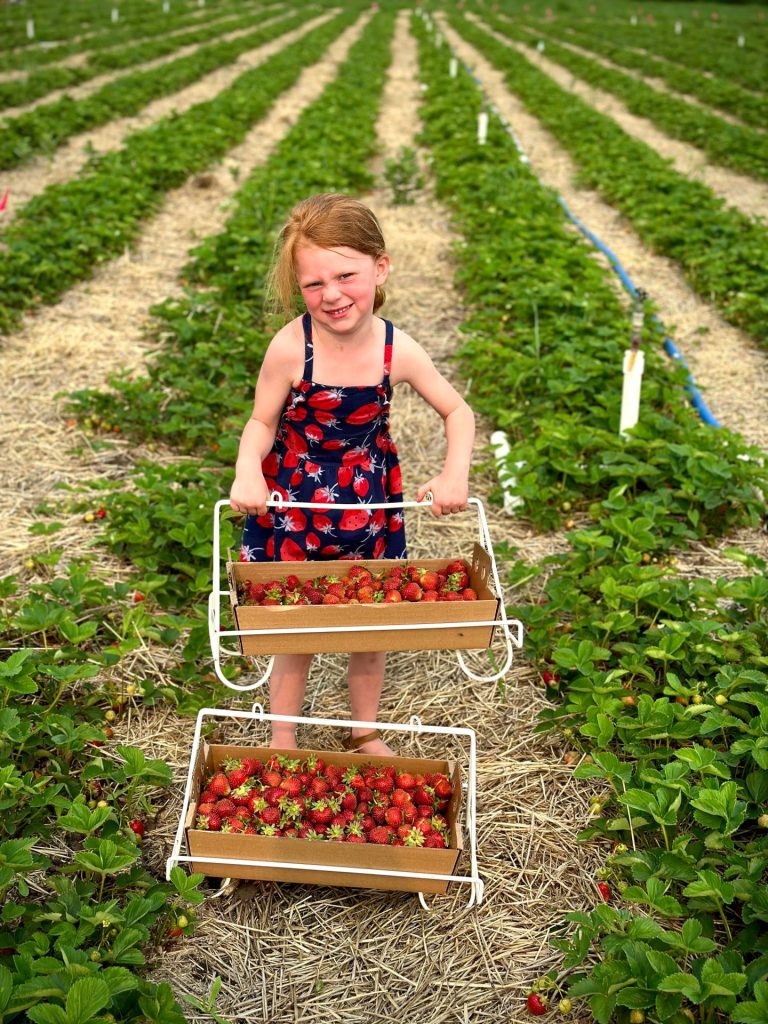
x=283 y=737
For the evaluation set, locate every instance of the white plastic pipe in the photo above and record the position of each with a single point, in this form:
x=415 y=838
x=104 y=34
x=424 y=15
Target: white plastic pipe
x=30 y=28
x=482 y=127
x=634 y=364
x=453 y=67
x=166 y=6
x=500 y=445
x=740 y=41
x=115 y=15
x=678 y=28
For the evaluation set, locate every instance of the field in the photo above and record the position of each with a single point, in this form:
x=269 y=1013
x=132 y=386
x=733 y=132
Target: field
x=149 y=152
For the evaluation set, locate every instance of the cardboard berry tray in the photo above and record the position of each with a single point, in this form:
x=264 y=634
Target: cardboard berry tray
x=329 y=620
x=308 y=860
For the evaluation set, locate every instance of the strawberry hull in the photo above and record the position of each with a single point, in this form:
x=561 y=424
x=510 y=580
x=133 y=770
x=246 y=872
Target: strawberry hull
x=320 y=862
x=328 y=619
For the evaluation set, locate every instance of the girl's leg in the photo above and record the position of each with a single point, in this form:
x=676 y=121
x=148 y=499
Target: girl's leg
x=365 y=679
x=287 y=684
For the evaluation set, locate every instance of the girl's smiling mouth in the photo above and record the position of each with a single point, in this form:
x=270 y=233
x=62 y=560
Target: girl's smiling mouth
x=339 y=311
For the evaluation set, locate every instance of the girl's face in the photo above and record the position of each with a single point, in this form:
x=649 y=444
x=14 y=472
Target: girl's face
x=339 y=285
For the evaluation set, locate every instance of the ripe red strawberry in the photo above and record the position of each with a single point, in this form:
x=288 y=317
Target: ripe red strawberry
x=330 y=599
x=434 y=841
x=273 y=795
x=412 y=592
x=442 y=787
x=251 y=766
x=291 y=785
x=409 y=812
x=318 y=788
x=392 y=597
x=414 y=837
x=349 y=801
x=242 y=795
x=270 y=816
x=458 y=565
x=320 y=813
x=422 y=795
x=225 y=808
x=210 y=822
x=236 y=777
x=355 y=838
x=380 y=835
x=401 y=797
x=468 y=594
x=393 y=817
x=605 y=890
x=271 y=777
x=137 y=827
x=535 y=1004
x=219 y=785
x=383 y=784
x=405 y=781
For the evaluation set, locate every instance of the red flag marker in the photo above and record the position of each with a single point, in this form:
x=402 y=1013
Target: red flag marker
x=4 y=201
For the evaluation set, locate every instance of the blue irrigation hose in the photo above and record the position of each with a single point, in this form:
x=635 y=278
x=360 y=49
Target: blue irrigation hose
x=697 y=401
x=670 y=348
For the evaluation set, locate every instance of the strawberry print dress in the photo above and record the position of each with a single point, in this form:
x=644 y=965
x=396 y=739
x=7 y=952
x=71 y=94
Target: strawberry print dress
x=332 y=446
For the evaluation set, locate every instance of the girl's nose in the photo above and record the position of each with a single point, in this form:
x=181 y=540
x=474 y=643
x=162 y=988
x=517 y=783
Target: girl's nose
x=331 y=291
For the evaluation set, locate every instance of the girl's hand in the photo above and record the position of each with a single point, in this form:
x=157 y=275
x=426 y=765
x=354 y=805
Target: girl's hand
x=448 y=494
x=249 y=496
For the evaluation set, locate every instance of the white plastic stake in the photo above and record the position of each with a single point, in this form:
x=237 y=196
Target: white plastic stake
x=166 y=6
x=500 y=445
x=438 y=39
x=678 y=28
x=115 y=15
x=740 y=41
x=482 y=127
x=540 y=46
x=634 y=364
x=201 y=3
x=30 y=28
x=453 y=67
x=633 y=20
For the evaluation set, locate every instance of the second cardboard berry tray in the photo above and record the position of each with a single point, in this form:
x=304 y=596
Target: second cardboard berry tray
x=460 y=625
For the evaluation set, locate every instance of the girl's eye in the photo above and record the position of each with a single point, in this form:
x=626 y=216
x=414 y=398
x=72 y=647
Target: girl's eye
x=343 y=277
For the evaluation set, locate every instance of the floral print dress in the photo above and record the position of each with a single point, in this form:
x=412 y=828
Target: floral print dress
x=332 y=446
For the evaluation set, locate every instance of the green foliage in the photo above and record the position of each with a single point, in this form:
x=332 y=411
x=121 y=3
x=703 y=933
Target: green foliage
x=403 y=177
x=660 y=681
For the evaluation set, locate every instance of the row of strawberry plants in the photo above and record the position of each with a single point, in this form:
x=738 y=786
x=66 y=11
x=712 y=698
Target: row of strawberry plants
x=60 y=235
x=658 y=681
x=726 y=144
x=721 y=251
x=41 y=82
x=48 y=126
x=82 y=640
x=60 y=24
x=707 y=48
x=720 y=93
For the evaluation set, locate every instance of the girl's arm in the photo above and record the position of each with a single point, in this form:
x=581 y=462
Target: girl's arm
x=450 y=488
x=278 y=371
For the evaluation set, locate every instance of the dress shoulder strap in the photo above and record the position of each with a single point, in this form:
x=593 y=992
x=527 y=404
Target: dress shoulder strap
x=389 y=338
x=306 y=323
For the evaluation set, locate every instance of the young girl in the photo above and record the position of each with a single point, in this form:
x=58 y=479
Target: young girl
x=319 y=431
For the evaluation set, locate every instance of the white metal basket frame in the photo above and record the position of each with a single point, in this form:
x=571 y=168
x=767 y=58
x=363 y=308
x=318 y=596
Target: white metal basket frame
x=215 y=632
x=414 y=726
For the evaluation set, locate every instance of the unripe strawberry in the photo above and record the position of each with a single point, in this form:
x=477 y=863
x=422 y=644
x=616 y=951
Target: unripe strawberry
x=565 y=1006
x=721 y=699
x=762 y=821
x=182 y=921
